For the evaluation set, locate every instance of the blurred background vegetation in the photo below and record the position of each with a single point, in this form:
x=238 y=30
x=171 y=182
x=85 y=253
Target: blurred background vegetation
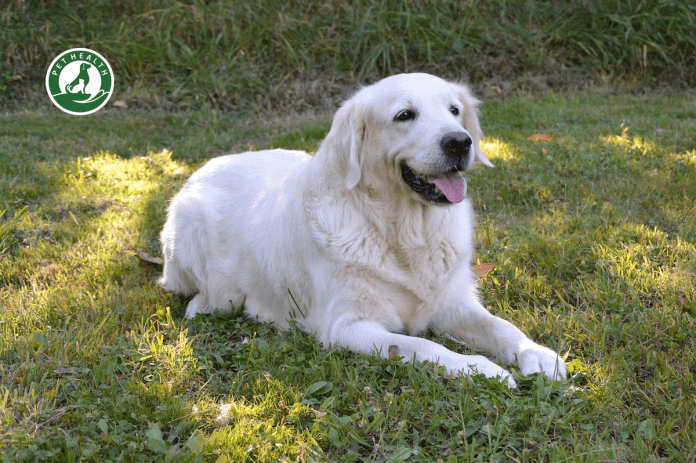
x=304 y=54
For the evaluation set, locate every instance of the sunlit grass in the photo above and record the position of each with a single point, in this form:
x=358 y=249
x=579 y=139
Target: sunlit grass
x=497 y=149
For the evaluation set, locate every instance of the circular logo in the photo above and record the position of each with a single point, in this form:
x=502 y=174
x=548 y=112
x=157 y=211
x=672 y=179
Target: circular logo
x=79 y=81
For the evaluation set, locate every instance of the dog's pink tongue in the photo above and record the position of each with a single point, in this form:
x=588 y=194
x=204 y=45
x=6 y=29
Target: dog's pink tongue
x=453 y=186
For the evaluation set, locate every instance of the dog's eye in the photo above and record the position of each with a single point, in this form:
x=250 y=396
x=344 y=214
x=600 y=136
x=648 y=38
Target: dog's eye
x=454 y=110
x=405 y=115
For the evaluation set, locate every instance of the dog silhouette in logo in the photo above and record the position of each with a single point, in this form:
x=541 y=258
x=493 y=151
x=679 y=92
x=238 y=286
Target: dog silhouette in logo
x=80 y=83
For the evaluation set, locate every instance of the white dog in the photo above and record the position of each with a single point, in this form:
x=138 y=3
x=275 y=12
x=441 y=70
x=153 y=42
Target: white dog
x=365 y=244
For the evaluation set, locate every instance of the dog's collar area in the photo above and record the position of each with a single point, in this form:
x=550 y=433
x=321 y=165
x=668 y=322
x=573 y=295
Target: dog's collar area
x=432 y=192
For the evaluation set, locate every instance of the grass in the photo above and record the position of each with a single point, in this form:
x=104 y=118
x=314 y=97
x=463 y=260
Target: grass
x=303 y=54
x=593 y=233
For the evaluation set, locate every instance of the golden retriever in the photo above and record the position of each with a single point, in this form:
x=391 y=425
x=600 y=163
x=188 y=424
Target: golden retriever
x=366 y=244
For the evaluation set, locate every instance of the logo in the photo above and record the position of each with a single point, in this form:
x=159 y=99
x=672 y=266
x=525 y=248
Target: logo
x=79 y=81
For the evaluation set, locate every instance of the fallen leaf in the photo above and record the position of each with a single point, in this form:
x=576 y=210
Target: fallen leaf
x=393 y=351
x=120 y=104
x=481 y=270
x=147 y=258
x=543 y=137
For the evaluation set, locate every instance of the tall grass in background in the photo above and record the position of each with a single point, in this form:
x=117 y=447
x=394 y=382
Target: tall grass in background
x=650 y=38
x=227 y=54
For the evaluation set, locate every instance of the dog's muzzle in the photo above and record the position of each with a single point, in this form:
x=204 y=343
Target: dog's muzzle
x=456 y=147
x=447 y=186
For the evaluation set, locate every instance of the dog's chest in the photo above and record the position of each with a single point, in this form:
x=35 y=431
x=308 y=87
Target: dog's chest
x=413 y=253
x=423 y=269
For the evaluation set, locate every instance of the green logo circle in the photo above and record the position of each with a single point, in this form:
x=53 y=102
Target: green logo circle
x=79 y=81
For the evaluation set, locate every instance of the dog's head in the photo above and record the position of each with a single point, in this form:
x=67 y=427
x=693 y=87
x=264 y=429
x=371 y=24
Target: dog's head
x=412 y=132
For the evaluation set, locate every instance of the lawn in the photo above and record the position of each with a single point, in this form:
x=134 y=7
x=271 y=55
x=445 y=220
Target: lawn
x=592 y=225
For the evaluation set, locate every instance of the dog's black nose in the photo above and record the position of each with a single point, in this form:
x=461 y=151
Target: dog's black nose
x=456 y=147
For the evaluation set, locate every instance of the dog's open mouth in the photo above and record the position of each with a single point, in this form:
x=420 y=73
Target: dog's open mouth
x=447 y=188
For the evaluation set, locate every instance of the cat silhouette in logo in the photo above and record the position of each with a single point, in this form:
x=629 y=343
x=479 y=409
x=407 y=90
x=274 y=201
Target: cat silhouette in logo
x=80 y=83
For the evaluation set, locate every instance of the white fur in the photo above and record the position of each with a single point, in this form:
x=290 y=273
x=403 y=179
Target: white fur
x=340 y=243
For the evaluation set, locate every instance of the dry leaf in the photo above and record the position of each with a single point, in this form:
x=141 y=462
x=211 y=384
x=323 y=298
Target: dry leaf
x=146 y=258
x=543 y=137
x=393 y=352
x=120 y=104
x=481 y=270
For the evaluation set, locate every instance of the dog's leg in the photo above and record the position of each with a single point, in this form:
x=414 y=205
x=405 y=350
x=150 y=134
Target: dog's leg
x=366 y=336
x=477 y=327
x=174 y=279
x=199 y=304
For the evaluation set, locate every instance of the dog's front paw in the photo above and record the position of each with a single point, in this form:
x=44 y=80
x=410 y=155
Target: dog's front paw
x=533 y=358
x=199 y=304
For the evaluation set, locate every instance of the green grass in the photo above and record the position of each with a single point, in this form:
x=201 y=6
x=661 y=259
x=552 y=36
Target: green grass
x=302 y=54
x=593 y=233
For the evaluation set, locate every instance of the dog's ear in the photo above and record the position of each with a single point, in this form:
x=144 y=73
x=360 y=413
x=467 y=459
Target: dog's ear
x=342 y=145
x=471 y=122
